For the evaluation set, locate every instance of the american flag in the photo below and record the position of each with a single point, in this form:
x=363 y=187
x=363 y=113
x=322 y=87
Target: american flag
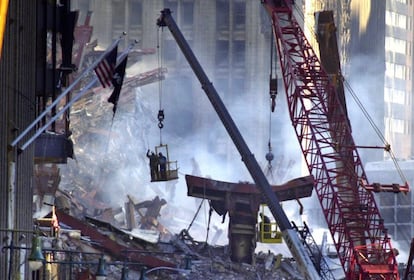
x=105 y=69
x=117 y=81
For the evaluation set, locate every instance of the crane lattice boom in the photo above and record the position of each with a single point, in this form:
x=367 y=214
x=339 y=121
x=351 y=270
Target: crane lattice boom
x=324 y=133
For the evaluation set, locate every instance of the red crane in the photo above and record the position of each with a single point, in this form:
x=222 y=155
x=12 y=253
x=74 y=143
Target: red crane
x=324 y=133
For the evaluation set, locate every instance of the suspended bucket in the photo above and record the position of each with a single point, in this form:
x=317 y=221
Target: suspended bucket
x=267 y=231
x=162 y=169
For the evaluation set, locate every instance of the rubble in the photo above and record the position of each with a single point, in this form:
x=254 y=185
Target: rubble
x=129 y=230
x=177 y=257
x=89 y=225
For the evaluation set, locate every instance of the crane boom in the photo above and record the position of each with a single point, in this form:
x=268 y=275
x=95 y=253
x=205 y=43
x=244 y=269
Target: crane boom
x=289 y=235
x=321 y=125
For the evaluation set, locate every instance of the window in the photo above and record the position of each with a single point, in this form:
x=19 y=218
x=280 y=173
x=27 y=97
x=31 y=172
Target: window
x=404 y=215
x=392 y=95
x=172 y=5
x=118 y=14
x=222 y=15
x=403 y=199
x=400 y=71
x=238 y=53
x=388 y=214
x=386 y=200
x=396 y=20
x=396 y=71
x=222 y=52
x=187 y=13
x=170 y=50
x=396 y=125
x=395 y=45
x=135 y=14
x=239 y=15
x=403 y=232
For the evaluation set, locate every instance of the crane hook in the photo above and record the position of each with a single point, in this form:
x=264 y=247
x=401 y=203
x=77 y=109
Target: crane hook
x=160 y=118
x=273 y=92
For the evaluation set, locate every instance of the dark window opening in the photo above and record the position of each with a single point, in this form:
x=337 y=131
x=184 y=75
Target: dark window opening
x=239 y=12
x=170 y=50
x=403 y=199
x=222 y=15
x=404 y=215
x=135 y=16
x=222 y=53
x=386 y=199
x=239 y=53
x=188 y=13
x=118 y=14
x=388 y=214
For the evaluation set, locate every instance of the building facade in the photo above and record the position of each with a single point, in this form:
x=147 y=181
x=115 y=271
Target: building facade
x=18 y=109
x=376 y=41
x=398 y=116
x=382 y=39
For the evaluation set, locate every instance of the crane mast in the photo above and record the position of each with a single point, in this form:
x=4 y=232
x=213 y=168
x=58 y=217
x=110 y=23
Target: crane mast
x=321 y=124
x=289 y=234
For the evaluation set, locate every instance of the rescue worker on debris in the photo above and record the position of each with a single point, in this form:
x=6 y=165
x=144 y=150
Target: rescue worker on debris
x=153 y=162
x=162 y=161
x=149 y=220
x=264 y=227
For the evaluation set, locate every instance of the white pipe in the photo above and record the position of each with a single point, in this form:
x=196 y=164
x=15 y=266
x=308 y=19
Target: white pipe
x=64 y=93
x=73 y=100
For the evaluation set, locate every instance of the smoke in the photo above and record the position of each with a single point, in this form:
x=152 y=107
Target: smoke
x=111 y=154
x=116 y=164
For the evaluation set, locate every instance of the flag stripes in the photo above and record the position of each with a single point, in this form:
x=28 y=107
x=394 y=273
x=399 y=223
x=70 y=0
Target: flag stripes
x=105 y=69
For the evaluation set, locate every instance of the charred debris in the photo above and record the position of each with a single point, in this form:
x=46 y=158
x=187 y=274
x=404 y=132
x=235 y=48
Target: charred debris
x=132 y=233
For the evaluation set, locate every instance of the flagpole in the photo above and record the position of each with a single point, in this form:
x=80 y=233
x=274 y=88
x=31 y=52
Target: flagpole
x=58 y=114
x=67 y=90
x=73 y=100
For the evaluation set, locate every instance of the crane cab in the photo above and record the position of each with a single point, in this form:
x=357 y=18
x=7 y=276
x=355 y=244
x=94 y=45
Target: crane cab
x=162 y=169
x=267 y=231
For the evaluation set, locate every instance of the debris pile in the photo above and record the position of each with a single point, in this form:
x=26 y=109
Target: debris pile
x=149 y=247
x=100 y=215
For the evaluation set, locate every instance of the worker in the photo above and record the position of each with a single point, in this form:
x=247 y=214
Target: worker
x=264 y=227
x=153 y=162
x=162 y=161
x=150 y=219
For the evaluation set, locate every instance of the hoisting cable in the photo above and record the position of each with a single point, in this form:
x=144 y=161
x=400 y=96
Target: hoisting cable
x=358 y=102
x=272 y=80
x=160 y=115
x=387 y=146
x=273 y=93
